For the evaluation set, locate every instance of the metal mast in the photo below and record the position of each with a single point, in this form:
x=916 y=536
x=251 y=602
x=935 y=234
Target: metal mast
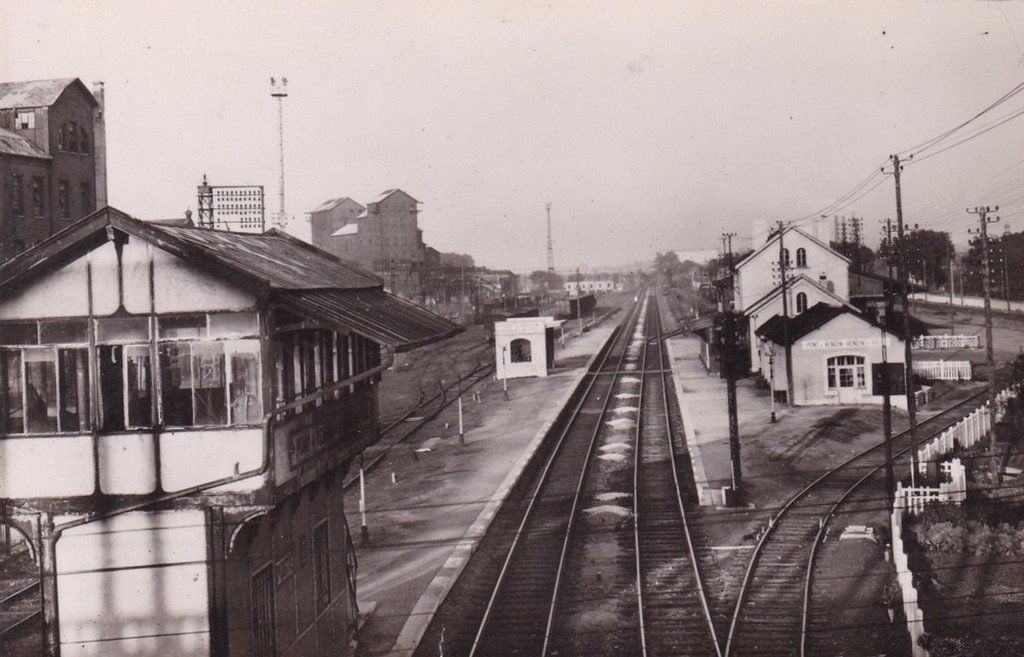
x=551 y=248
x=279 y=90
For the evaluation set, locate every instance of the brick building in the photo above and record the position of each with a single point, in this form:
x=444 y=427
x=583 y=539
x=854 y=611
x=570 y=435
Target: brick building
x=52 y=159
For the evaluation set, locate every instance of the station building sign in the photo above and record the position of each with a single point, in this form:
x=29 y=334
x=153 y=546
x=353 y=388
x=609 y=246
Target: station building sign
x=843 y=343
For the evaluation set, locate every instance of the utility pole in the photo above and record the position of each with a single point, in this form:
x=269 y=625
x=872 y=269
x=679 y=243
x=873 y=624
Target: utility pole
x=890 y=477
x=551 y=247
x=983 y=221
x=952 y=311
x=731 y=365
x=579 y=301
x=908 y=356
x=279 y=90
x=783 y=263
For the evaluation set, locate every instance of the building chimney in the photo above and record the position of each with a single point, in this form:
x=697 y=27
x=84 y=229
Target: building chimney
x=99 y=144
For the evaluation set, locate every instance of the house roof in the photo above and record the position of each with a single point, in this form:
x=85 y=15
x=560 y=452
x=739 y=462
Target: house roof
x=870 y=284
x=777 y=290
x=11 y=143
x=37 y=93
x=330 y=204
x=388 y=192
x=777 y=329
x=276 y=265
x=772 y=238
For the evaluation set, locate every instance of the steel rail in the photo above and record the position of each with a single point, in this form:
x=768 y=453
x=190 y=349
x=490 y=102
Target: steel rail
x=573 y=513
x=617 y=333
x=670 y=435
x=774 y=520
x=637 y=458
x=14 y=598
x=825 y=519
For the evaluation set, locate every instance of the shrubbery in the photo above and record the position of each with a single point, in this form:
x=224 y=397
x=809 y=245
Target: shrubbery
x=963 y=530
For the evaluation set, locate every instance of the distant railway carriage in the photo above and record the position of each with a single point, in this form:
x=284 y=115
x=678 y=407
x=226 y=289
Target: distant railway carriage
x=177 y=409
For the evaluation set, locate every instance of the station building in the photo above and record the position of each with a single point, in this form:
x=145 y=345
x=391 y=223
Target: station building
x=178 y=408
x=837 y=356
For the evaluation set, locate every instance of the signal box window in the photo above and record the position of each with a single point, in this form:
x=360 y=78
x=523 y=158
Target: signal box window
x=26 y=120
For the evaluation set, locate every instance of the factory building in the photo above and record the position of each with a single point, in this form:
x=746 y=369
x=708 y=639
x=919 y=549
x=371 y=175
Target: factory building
x=52 y=159
x=178 y=408
x=383 y=237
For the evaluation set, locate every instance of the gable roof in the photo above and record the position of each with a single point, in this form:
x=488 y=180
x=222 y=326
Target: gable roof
x=274 y=264
x=330 y=204
x=772 y=238
x=777 y=291
x=37 y=93
x=11 y=143
x=388 y=192
x=776 y=329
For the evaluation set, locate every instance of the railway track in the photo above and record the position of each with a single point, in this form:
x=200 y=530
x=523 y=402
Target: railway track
x=773 y=610
x=564 y=569
x=19 y=611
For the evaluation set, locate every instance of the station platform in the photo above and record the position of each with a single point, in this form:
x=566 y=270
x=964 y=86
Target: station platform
x=430 y=504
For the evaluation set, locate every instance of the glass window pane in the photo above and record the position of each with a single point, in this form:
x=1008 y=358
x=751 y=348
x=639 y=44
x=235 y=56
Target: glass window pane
x=22 y=333
x=246 y=404
x=186 y=326
x=137 y=386
x=12 y=415
x=122 y=329
x=111 y=366
x=64 y=331
x=209 y=383
x=41 y=390
x=234 y=325
x=176 y=384
x=74 y=389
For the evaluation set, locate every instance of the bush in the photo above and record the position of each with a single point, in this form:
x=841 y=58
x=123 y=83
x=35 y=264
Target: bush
x=975 y=537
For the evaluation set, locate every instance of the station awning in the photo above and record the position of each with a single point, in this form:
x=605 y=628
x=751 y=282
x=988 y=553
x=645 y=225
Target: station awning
x=372 y=313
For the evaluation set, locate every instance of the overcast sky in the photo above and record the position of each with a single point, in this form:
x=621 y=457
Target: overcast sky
x=648 y=126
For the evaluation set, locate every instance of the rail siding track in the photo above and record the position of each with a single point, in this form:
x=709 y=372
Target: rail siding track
x=773 y=607
x=18 y=611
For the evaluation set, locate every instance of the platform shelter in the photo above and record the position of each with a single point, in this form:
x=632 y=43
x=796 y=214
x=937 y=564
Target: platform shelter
x=524 y=346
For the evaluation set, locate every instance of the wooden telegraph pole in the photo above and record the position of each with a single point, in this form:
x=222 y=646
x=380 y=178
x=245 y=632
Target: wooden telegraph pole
x=730 y=363
x=983 y=221
x=783 y=263
x=908 y=357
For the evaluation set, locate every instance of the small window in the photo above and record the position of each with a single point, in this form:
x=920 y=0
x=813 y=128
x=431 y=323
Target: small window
x=38 y=205
x=801 y=302
x=18 y=333
x=124 y=329
x=64 y=199
x=263 y=626
x=184 y=326
x=801 y=257
x=88 y=199
x=74 y=331
x=25 y=120
x=17 y=195
x=40 y=390
x=519 y=351
x=72 y=129
x=322 y=566
x=83 y=139
x=61 y=139
x=124 y=386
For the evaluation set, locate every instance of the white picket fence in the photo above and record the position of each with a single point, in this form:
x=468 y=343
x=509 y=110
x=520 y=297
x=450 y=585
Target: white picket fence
x=966 y=433
x=944 y=370
x=915 y=498
x=911 y=610
x=929 y=342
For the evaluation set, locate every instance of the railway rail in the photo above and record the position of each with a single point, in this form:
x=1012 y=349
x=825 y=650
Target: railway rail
x=18 y=611
x=594 y=554
x=773 y=608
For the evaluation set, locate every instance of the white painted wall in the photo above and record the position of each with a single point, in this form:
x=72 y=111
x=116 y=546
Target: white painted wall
x=528 y=328
x=134 y=585
x=758 y=274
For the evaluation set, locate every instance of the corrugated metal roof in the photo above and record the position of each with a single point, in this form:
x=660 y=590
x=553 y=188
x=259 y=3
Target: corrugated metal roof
x=12 y=143
x=375 y=314
x=281 y=260
x=33 y=93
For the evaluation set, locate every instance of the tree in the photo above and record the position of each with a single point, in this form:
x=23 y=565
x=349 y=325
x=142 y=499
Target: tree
x=860 y=255
x=546 y=281
x=927 y=256
x=457 y=260
x=1005 y=251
